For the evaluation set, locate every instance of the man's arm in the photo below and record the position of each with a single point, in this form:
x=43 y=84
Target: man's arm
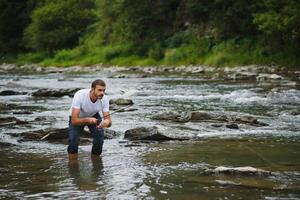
x=76 y=120
x=106 y=123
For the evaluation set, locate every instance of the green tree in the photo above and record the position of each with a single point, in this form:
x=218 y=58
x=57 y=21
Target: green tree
x=59 y=24
x=279 y=19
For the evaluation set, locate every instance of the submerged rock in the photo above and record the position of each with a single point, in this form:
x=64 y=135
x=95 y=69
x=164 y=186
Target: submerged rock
x=245 y=171
x=55 y=92
x=10 y=121
x=10 y=92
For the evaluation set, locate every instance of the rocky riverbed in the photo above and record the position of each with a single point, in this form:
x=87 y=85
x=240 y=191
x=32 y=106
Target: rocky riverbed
x=231 y=126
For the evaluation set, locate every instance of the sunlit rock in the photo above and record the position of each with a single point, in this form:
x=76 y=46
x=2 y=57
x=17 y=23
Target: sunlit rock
x=246 y=171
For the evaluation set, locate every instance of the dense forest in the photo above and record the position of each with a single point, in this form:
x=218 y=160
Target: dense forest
x=150 y=32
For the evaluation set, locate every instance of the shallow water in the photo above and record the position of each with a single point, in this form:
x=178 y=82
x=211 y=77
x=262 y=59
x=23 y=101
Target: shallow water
x=169 y=170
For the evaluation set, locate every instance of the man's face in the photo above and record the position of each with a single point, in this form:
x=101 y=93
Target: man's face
x=99 y=91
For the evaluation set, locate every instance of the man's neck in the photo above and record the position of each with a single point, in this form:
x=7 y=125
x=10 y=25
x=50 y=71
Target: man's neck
x=92 y=97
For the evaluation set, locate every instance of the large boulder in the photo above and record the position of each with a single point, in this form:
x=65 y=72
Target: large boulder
x=55 y=135
x=55 y=92
x=146 y=133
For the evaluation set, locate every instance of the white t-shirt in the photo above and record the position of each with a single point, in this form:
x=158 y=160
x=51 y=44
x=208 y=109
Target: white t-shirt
x=87 y=108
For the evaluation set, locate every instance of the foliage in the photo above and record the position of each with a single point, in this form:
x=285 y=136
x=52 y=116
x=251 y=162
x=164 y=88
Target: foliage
x=279 y=19
x=59 y=24
x=146 y=32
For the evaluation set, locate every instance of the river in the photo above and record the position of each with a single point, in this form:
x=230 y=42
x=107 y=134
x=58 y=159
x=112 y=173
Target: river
x=154 y=170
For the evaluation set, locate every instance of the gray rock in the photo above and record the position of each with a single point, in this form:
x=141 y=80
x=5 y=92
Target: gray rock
x=246 y=119
x=263 y=77
x=206 y=116
x=56 y=135
x=55 y=92
x=243 y=76
x=121 y=101
x=146 y=133
x=172 y=116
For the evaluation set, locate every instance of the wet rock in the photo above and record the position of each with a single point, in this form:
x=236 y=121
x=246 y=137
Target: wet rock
x=146 y=133
x=65 y=79
x=217 y=125
x=172 y=116
x=119 y=76
x=243 y=76
x=263 y=77
x=295 y=112
x=245 y=171
x=117 y=108
x=10 y=92
x=22 y=112
x=10 y=121
x=55 y=92
x=121 y=101
x=206 y=116
x=246 y=119
x=60 y=134
x=201 y=116
x=110 y=134
x=232 y=126
x=38 y=119
x=5 y=144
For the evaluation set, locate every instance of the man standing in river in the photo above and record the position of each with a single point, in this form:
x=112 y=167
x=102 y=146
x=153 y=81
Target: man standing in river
x=86 y=105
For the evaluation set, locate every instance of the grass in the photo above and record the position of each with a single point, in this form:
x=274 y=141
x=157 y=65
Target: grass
x=224 y=53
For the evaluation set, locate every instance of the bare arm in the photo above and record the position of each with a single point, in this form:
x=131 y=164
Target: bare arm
x=76 y=120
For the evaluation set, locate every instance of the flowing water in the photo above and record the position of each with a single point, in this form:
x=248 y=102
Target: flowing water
x=154 y=170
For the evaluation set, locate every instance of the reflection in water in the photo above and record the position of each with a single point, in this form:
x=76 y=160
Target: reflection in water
x=86 y=175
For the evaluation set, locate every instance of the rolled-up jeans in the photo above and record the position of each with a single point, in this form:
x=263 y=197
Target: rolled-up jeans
x=74 y=133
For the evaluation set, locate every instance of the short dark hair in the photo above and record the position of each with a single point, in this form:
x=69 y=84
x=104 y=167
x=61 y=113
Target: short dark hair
x=98 y=82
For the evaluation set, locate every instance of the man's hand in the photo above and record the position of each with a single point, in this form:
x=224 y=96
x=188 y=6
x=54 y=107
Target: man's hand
x=103 y=124
x=92 y=120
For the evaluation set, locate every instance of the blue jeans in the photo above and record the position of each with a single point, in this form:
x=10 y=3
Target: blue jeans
x=98 y=137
